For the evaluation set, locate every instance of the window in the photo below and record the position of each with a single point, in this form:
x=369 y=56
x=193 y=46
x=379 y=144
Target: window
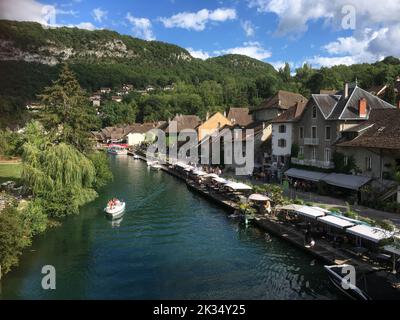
x=314 y=154
x=282 y=128
x=314 y=112
x=314 y=132
x=327 y=155
x=282 y=143
x=327 y=133
x=301 y=151
x=301 y=132
x=368 y=163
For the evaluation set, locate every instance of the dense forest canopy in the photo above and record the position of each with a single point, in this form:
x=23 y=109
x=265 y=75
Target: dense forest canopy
x=105 y=58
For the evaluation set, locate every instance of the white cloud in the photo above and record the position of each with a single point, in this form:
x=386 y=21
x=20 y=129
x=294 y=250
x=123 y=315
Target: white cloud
x=99 y=14
x=250 y=49
x=365 y=47
x=32 y=10
x=141 y=27
x=84 y=25
x=200 y=54
x=197 y=20
x=248 y=28
x=25 y=10
x=294 y=15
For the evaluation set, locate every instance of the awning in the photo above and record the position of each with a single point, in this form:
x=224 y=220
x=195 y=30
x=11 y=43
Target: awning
x=290 y=207
x=321 y=209
x=336 y=222
x=211 y=175
x=258 y=197
x=370 y=233
x=221 y=180
x=199 y=173
x=181 y=164
x=347 y=181
x=310 y=212
x=305 y=174
x=238 y=186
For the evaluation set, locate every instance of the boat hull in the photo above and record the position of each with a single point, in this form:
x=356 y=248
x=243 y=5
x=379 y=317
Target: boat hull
x=116 y=212
x=353 y=292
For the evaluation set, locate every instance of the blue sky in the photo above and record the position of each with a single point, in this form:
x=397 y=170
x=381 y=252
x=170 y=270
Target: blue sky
x=319 y=32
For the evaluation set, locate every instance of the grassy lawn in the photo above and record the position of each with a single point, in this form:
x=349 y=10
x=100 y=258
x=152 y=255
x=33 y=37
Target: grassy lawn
x=10 y=171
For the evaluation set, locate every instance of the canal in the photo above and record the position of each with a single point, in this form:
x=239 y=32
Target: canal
x=170 y=244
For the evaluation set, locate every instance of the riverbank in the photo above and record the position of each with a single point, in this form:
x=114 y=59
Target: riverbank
x=322 y=251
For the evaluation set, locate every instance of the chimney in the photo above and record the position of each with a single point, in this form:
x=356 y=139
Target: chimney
x=362 y=108
x=346 y=90
x=225 y=113
x=207 y=115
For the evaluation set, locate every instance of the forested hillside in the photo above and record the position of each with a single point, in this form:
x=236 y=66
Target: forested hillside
x=31 y=57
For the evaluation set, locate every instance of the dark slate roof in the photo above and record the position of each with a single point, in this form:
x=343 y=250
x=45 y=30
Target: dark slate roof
x=326 y=102
x=292 y=114
x=281 y=100
x=373 y=102
x=336 y=107
x=381 y=130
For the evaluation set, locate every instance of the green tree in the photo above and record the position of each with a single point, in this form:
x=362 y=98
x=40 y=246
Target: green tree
x=13 y=238
x=115 y=113
x=67 y=113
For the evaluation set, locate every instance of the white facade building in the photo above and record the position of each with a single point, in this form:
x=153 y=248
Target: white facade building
x=282 y=137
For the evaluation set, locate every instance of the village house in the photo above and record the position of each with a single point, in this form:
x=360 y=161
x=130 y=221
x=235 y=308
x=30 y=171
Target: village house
x=34 y=107
x=324 y=119
x=126 y=88
x=374 y=144
x=265 y=113
x=334 y=123
x=276 y=105
x=141 y=132
x=149 y=88
x=105 y=90
x=116 y=98
x=282 y=133
x=133 y=134
x=212 y=124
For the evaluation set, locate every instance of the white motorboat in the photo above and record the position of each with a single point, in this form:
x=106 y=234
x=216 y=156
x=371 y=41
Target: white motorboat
x=154 y=165
x=135 y=156
x=117 y=150
x=115 y=209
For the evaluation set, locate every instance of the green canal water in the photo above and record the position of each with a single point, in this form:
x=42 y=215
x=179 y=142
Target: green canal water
x=170 y=244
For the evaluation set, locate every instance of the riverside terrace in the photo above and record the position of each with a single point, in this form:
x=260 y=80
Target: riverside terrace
x=337 y=239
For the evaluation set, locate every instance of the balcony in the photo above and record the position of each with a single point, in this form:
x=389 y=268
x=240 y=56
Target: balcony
x=314 y=163
x=311 y=141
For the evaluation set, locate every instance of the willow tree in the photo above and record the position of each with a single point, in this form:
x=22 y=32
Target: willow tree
x=67 y=112
x=59 y=175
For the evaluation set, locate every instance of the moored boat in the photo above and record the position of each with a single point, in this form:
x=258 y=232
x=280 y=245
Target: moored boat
x=117 y=150
x=337 y=275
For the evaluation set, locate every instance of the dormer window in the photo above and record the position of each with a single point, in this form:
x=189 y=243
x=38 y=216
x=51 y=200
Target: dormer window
x=314 y=112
